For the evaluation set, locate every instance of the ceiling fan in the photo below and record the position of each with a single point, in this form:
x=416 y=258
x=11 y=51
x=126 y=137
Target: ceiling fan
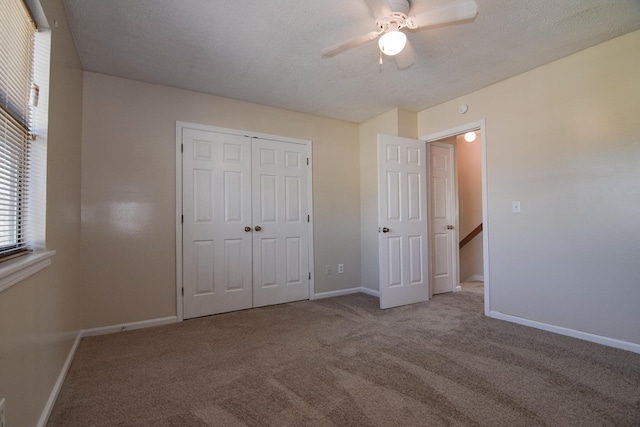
x=394 y=15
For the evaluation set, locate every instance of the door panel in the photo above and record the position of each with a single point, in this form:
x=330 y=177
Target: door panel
x=281 y=259
x=292 y=199
x=268 y=274
x=402 y=217
x=393 y=196
x=395 y=261
x=416 y=243
x=293 y=257
x=233 y=197
x=216 y=207
x=268 y=203
x=444 y=240
x=233 y=264
x=204 y=267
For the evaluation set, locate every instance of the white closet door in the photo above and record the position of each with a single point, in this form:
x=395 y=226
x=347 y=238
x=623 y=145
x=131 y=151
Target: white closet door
x=217 y=208
x=280 y=236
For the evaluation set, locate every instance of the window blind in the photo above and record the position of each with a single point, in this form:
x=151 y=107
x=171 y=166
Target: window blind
x=16 y=71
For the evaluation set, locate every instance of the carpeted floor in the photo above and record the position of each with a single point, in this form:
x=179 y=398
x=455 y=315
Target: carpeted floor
x=345 y=362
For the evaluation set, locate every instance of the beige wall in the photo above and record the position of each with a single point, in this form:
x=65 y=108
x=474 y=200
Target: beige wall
x=563 y=139
x=39 y=317
x=128 y=192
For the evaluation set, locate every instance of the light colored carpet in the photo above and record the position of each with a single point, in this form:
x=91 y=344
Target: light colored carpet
x=345 y=362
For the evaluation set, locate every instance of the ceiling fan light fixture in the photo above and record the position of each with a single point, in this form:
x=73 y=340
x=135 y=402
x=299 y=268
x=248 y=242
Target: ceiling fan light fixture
x=392 y=43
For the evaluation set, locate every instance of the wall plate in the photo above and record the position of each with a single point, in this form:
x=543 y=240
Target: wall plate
x=516 y=206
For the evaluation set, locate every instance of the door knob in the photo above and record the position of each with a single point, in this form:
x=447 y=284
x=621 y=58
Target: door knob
x=385 y=230
x=449 y=227
x=247 y=229
x=258 y=228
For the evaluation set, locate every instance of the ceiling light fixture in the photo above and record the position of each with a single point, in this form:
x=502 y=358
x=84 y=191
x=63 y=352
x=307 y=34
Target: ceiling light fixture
x=470 y=136
x=392 y=43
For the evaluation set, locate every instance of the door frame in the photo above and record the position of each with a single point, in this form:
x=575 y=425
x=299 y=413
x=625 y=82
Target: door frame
x=180 y=125
x=479 y=125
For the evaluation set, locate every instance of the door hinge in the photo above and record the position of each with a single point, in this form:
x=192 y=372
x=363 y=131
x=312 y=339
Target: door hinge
x=182 y=291
x=308 y=218
x=307 y=161
x=309 y=275
x=182 y=219
x=182 y=148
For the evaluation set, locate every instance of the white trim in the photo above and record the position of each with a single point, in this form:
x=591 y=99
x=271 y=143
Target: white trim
x=15 y=270
x=475 y=278
x=182 y=125
x=312 y=286
x=104 y=330
x=371 y=292
x=586 y=336
x=481 y=125
x=179 y=285
x=485 y=219
x=455 y=131
x=341 y=292
x=48 y=407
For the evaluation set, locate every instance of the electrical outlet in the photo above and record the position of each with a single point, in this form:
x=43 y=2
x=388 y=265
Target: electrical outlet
x=327 y=269
x=2 y=423
x=340 y=268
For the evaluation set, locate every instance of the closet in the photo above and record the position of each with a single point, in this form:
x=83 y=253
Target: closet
x=245 y=220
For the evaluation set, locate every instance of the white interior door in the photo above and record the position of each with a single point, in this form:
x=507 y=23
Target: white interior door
x=216 y=208
x=444 y=236
x=280 y=219
x=402 y=218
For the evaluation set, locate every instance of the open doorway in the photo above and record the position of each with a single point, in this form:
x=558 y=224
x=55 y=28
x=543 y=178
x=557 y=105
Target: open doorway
x=468 y=155
x=466 y=225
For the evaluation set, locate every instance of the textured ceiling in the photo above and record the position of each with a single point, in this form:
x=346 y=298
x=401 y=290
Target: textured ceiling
x=269 y=52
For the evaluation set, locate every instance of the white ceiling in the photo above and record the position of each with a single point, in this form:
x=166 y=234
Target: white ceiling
x=269 y=52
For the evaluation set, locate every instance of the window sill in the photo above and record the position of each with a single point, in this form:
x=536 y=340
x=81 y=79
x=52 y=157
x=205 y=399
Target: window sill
x=15 y=270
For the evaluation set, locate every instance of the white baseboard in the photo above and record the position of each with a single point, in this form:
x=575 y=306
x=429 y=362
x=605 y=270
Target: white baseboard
x=586 y=336
x=475 y=278
x=48 y=407
x=341 y=292
x=128 y=326
x=371 y=292
x=46 y=412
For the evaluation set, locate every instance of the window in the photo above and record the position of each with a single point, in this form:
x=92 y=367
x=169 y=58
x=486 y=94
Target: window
x=24 y=56
x=16 y=74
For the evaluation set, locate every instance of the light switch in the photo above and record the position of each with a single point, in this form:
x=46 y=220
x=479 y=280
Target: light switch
x=516 y=207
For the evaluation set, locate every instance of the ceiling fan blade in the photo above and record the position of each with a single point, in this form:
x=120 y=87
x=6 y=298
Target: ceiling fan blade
x=350 y=44
x=379 y=8
x=444 y=15
x=406 y=58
